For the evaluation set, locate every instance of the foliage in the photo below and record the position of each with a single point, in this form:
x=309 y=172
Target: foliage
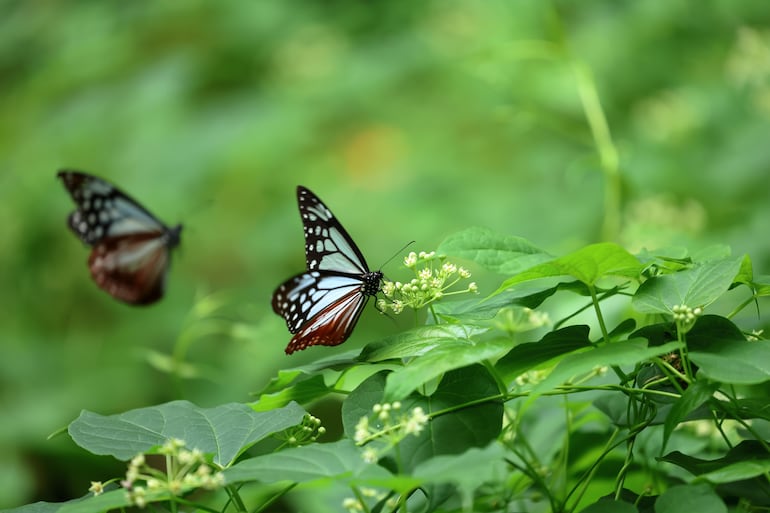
x=659 y=403
x=564 y=123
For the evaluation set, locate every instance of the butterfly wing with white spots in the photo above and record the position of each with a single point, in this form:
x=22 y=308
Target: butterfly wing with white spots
x=131 y=247
x=322 y=305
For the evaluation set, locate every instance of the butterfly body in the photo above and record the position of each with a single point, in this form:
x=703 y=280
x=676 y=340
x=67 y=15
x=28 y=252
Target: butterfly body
x=131 y=247
x=322 y=305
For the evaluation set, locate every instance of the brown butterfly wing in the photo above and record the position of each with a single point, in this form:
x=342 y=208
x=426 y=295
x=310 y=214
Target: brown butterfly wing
x=131 y=268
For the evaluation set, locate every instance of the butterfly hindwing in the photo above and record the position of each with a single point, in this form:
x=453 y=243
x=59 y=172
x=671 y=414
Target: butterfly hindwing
x=130 y=254
x=322 y=305
x=319 y=308
x=131 y=268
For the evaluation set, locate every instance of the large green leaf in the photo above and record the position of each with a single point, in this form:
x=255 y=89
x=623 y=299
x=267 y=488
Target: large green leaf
x=301 y=464
x=533 y=354
x=443 y=358
x=697 y=497
x=695 y=395
x=695 y=287
x=467 y=471
x=224 y=431
x=723 y=354
x=505 y=254
x=627 y=352
x=739 y=473
x=528 y=294
x=302 y=391
x=419 y=341
x=610 y=506
x=588 y=265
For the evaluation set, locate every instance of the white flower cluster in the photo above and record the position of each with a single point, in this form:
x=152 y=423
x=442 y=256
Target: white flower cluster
x=685 y=317
x=388 y=424
x=186 y=470
x=306 y=432
x=431 y=282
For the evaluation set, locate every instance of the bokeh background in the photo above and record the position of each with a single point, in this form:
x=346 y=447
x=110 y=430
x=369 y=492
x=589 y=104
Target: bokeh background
x=412 y=120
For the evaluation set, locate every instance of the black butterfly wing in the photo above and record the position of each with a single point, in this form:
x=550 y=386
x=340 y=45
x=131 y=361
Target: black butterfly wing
x=327 y=245
x=130 y=254
x=320 y=307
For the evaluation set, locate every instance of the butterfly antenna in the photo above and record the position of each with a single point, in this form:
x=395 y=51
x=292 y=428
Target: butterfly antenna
x=396 y=253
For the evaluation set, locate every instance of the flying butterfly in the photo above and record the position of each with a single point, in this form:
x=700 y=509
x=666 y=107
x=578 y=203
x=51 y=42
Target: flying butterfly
x=322 y=305
x=131 y=247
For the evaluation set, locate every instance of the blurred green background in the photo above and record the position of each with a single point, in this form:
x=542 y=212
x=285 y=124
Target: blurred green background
x=411 y=120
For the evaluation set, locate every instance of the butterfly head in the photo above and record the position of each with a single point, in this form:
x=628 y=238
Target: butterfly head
x=173 y=236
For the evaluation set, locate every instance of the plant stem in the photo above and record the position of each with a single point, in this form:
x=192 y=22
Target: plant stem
x=608 y=153
x=236 y=498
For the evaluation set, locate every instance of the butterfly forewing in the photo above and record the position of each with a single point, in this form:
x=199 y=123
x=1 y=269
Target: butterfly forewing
x=322 y=306
x=131 y=247
x=103 y=210
x=327 y=245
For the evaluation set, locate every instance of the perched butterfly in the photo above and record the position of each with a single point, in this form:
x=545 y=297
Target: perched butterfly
x=131 y=247
x=321 y=306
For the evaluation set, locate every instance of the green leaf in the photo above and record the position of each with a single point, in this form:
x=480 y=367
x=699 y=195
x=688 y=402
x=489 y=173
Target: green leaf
x=588 y=265
x=754 y=489
x=497 y=252
x=487 y=308
x=303 y=391
x=762 y=285
x=628 y=352
x=697 y=497
x=534 y=354
x=467 y=470
x=418 y=341
x=745 y=275
x=610 y=506
x=737 y=471
x=695 y=287
x=224 y=431
x=723 y=354
x=108 y=501
x=695 y=395
x=529 y=295
x=445 y=357
x=747 y=450
x=301 y=464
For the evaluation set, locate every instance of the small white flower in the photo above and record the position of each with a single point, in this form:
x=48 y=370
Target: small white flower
x=97 y=488
x=351 y=504
x=416 y=422
x=369 y=455
x=362 y=430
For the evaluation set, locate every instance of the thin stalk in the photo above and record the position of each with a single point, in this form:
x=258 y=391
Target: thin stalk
x=608 y=153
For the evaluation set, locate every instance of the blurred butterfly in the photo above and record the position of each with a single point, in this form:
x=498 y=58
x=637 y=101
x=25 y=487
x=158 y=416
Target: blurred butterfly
x=321 y=306
x=131 y=247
